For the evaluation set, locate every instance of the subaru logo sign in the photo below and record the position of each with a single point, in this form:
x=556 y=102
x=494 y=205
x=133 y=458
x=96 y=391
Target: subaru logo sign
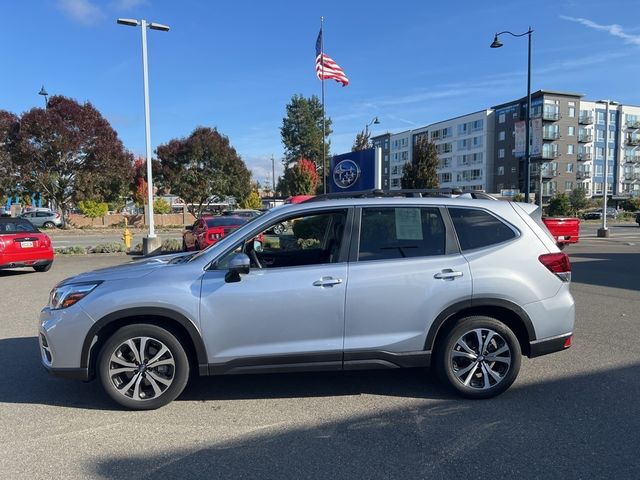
x=346 y=173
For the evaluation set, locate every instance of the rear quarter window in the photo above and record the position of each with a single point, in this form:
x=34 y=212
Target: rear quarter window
x=478 y=228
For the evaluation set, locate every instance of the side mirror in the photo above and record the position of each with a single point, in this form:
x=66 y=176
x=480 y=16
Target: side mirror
x=238 y=264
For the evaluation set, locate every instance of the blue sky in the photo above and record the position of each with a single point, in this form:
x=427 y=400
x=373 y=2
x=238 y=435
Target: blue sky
x=235 y=65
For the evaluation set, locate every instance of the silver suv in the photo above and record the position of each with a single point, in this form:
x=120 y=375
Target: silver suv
x=463 y=285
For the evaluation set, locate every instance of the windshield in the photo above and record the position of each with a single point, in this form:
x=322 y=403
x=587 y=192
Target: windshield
x=11 y=227
x=225 y=221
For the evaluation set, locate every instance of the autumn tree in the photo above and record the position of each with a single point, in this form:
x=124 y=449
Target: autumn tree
x=362 y=141
x=202 y=166
x=421 y=172
x=70 y=152
x=300 y=179
x=302 y=131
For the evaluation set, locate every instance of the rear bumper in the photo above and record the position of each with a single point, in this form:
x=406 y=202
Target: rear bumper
x=25 y=263
x=545 y=346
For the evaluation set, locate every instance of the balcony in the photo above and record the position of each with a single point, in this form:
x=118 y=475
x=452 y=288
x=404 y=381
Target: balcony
x=549 y=154
x=585 y=138
x=631 y=177
x=583 y=175
x=632 y=158
x=585 y=119
x=551 y=115
x=550 y=134
x=632 y=125
x=633 y=141
x=584 y=156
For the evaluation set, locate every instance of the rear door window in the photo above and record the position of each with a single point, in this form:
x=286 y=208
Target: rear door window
x=389 y=233
x=478 y=228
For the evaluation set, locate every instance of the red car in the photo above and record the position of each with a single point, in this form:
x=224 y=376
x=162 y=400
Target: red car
x=23 y=245
x=564 y=229
x=208 y=230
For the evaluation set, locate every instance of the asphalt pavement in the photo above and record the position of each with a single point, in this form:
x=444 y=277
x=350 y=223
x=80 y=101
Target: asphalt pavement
x=573 y=414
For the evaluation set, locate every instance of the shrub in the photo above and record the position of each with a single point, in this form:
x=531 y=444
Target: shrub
x=171 y=245
x=112 y=247
x=74 y=250
x=161 y=206
x=93 y=209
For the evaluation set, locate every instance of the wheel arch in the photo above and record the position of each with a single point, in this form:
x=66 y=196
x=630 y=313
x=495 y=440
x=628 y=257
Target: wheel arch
x=175 y=322
x=507 y=312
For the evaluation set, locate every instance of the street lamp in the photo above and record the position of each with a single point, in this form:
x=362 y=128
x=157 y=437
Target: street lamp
x=375 y=121
x=152 y=242
x=44 y=93
x=604 y=231
x=527 y=162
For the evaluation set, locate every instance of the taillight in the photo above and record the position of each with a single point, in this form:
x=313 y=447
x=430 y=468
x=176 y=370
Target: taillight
x=57 y=215
x=1 y=245
x=568 y=341
x=557 y=263
x=216 y=234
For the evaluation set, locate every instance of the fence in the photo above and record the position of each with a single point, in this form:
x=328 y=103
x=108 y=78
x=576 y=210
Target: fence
x=117 y=219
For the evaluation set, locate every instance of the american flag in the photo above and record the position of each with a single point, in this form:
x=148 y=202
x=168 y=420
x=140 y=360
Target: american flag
x=326 y=68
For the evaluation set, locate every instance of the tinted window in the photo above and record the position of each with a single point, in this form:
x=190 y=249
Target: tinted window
x=225 y=221
x=16 y=226
x=402 y=232
x=44 y=214
x=478 y=228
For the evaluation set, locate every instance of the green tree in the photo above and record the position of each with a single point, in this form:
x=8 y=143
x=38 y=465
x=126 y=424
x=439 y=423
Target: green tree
x=9 y=126
x=201 y=167
x=161 y=206
x=299 y=179
x=301 y=131
x=421 y=172
x=253 y=201
x=361 y=142
x=518 y=197
x=578 y=199
x=70 y=152
x=559 y=205
x=93 y=209
x=631 y=204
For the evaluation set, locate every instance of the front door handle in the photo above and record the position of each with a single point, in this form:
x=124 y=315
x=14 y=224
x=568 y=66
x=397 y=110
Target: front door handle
x=327 y=282
x=447 y=274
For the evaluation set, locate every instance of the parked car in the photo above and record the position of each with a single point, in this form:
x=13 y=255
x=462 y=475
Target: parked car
x=43 y=218
x=597 y=214
x=463 y=285
x=23 y=245
x=208 y=230
x=564 y=230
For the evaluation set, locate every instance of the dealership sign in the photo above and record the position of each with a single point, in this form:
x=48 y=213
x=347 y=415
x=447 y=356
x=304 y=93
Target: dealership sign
x=354 y=171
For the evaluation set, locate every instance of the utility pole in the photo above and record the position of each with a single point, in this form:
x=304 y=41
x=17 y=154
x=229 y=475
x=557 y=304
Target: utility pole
x=273 y=174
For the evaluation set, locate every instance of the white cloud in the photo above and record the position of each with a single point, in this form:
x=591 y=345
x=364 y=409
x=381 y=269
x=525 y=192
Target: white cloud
x=128 y=4
x=82 y=11
x=614 y=29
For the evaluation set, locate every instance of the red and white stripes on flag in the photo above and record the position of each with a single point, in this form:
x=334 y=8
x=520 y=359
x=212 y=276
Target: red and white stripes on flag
x=326 y=68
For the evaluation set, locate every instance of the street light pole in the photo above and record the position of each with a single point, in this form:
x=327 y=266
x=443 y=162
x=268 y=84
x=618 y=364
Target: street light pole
x=374 y=121
x=44 y=93
x=527 y=162
x=147 y=117
x=604 y=231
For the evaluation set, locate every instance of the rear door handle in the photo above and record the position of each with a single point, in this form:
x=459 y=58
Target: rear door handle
x=447 y=274
x=327 y=282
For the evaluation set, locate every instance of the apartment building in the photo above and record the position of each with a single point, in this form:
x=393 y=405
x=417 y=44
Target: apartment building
x=384 y=143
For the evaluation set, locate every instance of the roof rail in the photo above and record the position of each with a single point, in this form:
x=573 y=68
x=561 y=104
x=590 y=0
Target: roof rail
x=377 y=193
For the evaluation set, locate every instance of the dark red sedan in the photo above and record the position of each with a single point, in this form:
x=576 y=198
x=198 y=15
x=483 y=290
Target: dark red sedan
x=208 y=230
x=23 y=245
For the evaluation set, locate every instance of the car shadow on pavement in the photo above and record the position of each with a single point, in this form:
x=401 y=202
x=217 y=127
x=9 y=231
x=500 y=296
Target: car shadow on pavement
x=583 y=426
x=23 y=379
x=14 y=273
x=617 y=270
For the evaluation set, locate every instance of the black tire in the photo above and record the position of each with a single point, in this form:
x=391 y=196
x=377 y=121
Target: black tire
x=184 y=245
x=43 y=268
x=49 y=225
x=143 y=387
x=471 y=371
x=279 y=229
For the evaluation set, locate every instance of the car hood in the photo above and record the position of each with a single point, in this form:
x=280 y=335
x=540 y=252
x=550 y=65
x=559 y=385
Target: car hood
x=134 y=269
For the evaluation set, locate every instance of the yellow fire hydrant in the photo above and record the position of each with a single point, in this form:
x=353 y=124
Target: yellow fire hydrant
x=126 y=236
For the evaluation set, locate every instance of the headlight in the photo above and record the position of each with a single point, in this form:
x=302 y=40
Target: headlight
x=67 y=295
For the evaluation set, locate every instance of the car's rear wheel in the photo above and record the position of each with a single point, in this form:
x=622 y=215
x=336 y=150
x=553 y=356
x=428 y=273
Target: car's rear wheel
x=479 y=358
x=143 y=367
x=49 y=225
x=43 y=268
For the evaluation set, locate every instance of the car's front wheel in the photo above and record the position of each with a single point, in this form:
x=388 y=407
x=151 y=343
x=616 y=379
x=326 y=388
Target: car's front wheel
x=143 y=367
x=479 y=358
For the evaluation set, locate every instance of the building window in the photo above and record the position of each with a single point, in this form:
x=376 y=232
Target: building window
x=600 y=135
x=571 y=131
x=569 y=167
x=501 y=135
x=501 y=118
x=501 y=153
x=501 y=170
x=600 y=117
x=568 y=185
x=572 y=112
x=513 y=169
x=571 y=149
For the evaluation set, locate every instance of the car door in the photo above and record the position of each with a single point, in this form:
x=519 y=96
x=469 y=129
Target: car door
x=407 y=269
x=285 y=315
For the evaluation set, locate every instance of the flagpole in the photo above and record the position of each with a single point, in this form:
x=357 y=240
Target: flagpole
x=324 y=169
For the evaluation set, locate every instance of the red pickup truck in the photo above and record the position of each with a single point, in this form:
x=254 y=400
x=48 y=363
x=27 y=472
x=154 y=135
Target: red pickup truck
x=564 y=229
